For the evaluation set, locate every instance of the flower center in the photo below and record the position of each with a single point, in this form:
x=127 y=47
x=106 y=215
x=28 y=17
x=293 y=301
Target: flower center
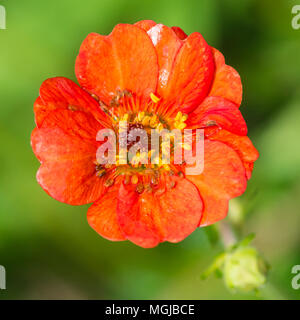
x=145 y=141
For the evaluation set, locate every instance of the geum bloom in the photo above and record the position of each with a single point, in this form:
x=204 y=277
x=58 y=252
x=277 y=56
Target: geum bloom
x=152 y=76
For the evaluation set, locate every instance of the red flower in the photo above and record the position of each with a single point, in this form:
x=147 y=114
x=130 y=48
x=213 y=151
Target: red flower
x=148 y=72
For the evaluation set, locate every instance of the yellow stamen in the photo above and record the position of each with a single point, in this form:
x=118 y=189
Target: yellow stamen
x=159 y=127
x=153 y=121
x=184 y=117
x=179 y=120
x=154 y=98
x=167 y=167
x=141 y=115
x=178 y=116
x=181 y=126
x=146 y=121
x=176 y=124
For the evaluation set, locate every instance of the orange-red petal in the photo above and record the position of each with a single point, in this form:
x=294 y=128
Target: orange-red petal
x=63 y=93
x=136 y=218
x=241 y=144
x=186 y=68
x=227 y=82
x=124 y=60
x=145 y=24
x=102 y=215
x=223 y=178
x=148 y=24
x=218 y=111
x=66 y=146
x=170 y=214
x=190 y=79
x=167 y=45
x=179 y=32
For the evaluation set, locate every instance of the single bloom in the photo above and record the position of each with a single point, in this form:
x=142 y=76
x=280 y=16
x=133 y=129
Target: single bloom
x=154 y=77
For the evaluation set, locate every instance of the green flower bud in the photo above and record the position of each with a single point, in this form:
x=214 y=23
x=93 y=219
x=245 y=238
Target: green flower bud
x=244 y=269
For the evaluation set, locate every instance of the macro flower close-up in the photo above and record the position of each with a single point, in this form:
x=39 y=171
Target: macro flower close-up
x=149 y=152
x=154 y=77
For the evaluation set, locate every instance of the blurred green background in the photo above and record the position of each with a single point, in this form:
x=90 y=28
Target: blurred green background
x=47 y=247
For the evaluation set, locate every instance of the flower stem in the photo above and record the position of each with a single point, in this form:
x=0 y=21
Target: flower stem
x=227 y=234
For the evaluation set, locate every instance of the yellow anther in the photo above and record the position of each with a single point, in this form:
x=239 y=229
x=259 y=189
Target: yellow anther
x=159 y=127
x=153 y=125
x=146 y=120
x=178 y=116
x=184 y=117
x=176 y=124
x=141 y=115
x=179 y=120
x=125 y=117
x=154 y=98
x=154 y=118
x=134 y=179
x=166 y=167
x=154 y=121
x=181 y=126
